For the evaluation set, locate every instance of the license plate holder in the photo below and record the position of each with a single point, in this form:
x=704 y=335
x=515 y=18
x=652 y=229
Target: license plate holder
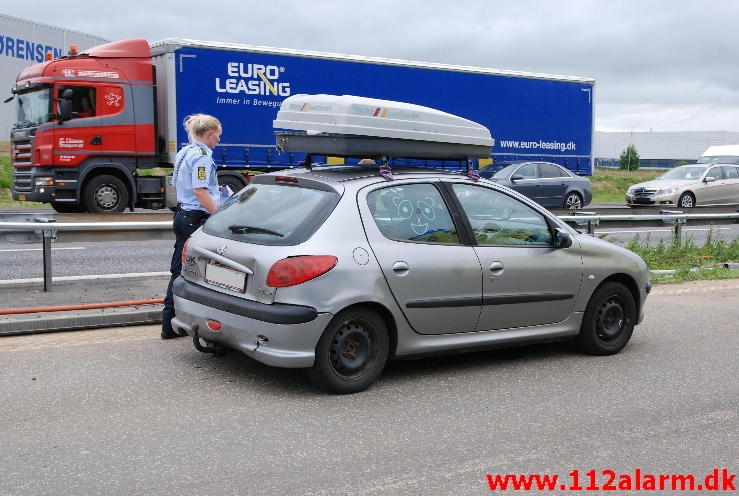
x=222 y=276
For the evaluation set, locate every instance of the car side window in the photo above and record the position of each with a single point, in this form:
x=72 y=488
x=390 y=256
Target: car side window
x=527 y=171
x=548 y=170
x=412 y=212
x=715 y=172
x=731 y=173
x=498 y=219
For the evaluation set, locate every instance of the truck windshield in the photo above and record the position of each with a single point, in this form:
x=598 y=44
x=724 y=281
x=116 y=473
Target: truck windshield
x=719 y=159
x=33 y=108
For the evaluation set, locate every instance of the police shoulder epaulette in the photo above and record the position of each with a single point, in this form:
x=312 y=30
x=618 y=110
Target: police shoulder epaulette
x=202 y=151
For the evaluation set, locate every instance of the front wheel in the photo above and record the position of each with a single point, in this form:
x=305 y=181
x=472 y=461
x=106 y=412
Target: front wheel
x=351 y=353
x=608 y=321
x=573 y=201
x=687 y=200
x=105 y=194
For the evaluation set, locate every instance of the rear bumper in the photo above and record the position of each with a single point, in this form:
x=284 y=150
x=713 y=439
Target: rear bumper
x=244 y=328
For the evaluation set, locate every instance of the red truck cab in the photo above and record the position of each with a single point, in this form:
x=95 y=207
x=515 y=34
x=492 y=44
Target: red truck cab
x=84 y=124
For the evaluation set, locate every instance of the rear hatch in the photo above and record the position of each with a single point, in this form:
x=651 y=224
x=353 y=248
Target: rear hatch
x=256 y=227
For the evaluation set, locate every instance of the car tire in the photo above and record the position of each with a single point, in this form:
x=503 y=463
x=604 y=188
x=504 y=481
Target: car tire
x=573 y=201
x=67 y=208
x=105 y=194
x=351 y=353
x=687 y=200
x=609 y=320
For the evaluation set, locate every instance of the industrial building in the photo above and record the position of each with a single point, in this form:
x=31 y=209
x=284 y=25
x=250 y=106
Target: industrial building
x=662 y=149
x=24 y=43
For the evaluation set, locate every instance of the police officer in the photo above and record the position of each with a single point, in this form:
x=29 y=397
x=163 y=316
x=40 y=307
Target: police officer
x=198 y=196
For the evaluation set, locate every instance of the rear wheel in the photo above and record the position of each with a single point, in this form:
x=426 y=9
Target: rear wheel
x=608 y=321
x=687 y=200
x=573 y=201
x=105 y=194
x=351 y=353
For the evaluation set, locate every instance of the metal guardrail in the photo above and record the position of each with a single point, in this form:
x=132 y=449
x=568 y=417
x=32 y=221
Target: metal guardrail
x=47 y=228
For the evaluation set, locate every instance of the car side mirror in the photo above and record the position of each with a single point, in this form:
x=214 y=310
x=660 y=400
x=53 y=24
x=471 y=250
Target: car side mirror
x=562 y=238
x=516 y=178
x=709 y=179
x=65 y=106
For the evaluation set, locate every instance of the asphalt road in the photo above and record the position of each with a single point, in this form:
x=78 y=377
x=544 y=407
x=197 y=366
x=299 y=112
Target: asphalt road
x=22 y=261
x=119 y=411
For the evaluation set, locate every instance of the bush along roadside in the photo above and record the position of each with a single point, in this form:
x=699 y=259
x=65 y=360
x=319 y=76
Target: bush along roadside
x=671 y=261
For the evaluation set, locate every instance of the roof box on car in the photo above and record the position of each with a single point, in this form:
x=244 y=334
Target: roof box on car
x=354 y=126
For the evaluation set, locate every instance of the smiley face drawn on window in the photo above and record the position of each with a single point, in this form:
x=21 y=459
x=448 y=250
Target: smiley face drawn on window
x=423 y=211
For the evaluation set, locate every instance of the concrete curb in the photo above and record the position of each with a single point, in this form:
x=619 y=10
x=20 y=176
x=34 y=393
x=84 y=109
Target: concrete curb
x=79 y=322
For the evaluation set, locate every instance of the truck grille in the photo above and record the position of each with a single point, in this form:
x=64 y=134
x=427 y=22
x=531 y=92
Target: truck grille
x=644 y=192
x=22 y=151
x=22 y=181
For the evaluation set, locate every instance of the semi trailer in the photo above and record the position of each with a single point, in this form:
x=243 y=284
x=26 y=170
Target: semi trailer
x=90 y=126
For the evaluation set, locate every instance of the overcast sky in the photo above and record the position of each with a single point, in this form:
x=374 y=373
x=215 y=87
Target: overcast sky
x=659 y=65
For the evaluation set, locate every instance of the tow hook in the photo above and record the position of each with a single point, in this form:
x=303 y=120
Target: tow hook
x=214 y=349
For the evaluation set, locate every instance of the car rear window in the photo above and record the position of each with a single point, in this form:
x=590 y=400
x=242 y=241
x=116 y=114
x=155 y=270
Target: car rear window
x=272 y=214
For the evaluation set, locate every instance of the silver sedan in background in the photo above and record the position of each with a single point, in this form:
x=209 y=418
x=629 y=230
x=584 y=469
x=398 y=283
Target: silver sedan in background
x=688 y=186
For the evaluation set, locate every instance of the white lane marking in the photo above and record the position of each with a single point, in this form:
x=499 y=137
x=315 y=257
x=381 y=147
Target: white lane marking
x=41 y=249
x=86 y=278
x=664 y=230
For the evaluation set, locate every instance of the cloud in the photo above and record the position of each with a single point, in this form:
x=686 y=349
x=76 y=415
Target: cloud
x=657 y=64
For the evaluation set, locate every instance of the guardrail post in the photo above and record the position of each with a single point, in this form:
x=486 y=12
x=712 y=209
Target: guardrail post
x=47 y=235
x=677 y=230
x=590 y=222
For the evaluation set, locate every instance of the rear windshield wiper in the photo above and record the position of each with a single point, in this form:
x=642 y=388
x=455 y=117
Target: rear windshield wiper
x=239 y=229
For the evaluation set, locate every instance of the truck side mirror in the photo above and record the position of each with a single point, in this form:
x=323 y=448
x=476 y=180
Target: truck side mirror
x=65 y=106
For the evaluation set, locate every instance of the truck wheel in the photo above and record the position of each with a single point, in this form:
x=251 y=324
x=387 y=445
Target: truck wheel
x=351 y=353
x=105 y=194
x=67 y=208
x=608 y=321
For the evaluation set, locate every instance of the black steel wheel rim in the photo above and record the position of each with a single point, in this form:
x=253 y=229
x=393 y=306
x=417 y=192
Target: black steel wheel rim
x=353 y=349
x=610 y=319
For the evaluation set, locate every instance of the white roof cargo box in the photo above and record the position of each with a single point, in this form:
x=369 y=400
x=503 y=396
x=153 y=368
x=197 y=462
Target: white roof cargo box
x=355 y=123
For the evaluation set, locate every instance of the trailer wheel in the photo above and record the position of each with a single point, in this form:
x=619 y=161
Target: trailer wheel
x=105 y=194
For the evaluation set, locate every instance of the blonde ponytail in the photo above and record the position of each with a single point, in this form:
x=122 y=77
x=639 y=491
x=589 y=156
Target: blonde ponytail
x=198 y=124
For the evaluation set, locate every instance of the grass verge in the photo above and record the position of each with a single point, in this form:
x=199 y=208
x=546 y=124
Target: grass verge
x=610 y=185
x=690 y=261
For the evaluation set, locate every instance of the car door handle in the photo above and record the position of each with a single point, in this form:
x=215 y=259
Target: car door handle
x=496 y=268
x=401 y=268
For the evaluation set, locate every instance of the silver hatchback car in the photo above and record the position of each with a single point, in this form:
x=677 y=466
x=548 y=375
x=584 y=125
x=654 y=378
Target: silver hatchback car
x=336 y=270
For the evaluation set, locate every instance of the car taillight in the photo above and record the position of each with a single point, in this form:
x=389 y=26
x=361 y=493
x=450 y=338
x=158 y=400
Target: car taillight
x=297 y=270
x=184 y=251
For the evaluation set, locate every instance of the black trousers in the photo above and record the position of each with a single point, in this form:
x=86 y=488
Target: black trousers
x=184 y=224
